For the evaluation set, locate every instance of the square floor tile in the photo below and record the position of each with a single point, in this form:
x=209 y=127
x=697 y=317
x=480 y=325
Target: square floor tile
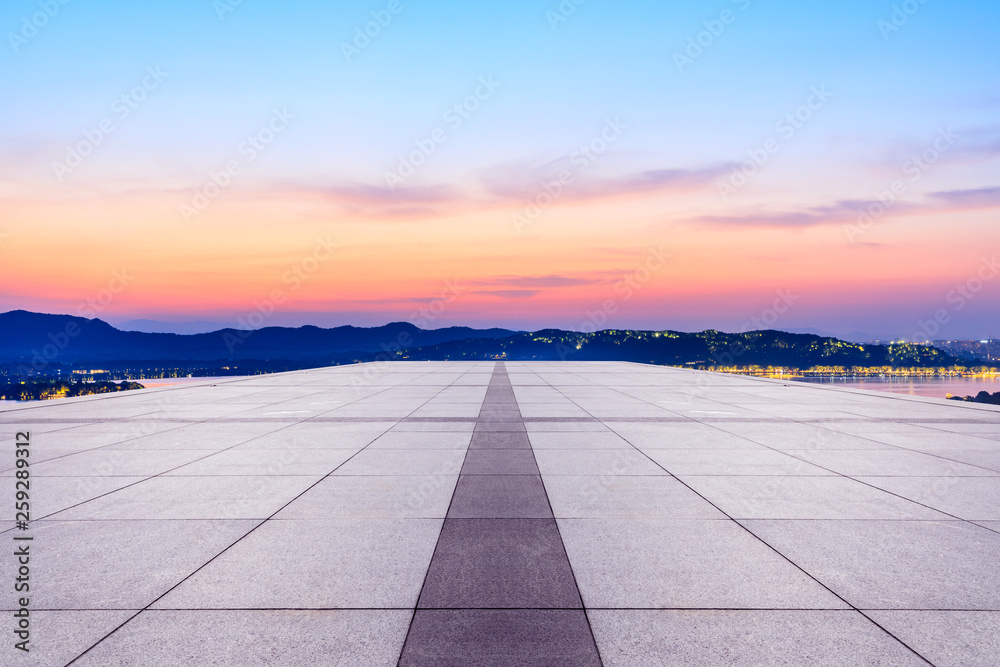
x=327 y=563
x=499 y=563
x=894 y=564
x=347 y=638
x=499 y=638
x=500 y=462
x=667 y=563
x=500 y=497
x=625 y=497
x=782 y=497
x=649 y=638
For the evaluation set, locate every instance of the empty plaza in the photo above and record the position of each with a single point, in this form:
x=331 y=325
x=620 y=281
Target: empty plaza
x=506 y=513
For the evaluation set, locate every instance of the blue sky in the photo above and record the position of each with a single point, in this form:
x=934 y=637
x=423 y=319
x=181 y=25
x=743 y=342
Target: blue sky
x=891 y=92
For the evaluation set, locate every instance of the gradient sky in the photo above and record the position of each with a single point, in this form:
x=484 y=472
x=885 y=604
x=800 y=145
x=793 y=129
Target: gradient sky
x=641 y=235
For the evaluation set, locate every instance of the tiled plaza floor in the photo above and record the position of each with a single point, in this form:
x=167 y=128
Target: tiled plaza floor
x=518 y=513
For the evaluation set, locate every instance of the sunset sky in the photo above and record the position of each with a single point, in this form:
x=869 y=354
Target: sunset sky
x=662 y=165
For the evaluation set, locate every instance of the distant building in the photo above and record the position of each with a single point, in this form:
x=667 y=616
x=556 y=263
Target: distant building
x=973 y=350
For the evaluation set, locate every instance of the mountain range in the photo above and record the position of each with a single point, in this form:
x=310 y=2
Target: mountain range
x=674 y=348
x=37 y=340
x=24 y=335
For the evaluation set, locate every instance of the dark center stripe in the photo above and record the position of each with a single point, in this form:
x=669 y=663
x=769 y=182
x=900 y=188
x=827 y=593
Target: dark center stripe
x=500 y=590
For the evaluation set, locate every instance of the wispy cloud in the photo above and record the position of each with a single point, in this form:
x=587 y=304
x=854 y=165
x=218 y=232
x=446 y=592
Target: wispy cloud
x=497 y=188
x=516 y=183
x=535 y=281
x=509 y=294
x=969 y=199
x=847 y=210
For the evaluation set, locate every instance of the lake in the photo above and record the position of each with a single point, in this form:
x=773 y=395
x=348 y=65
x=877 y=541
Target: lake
x=149 y=383
x=930 y=387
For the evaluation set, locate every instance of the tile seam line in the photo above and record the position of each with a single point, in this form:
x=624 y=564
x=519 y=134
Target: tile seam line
x=576 y=583
x=945 y=610
x=423 y=582
x=437 y=544
x=235 y=542
x=209 y=455
x=815 y=386
x=500 y=371
x=772 y=548
x=165 y=389
x=205 y=421
x=810 y=463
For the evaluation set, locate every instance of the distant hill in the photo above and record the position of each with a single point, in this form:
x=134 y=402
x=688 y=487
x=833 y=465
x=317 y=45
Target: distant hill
x=64 y=339
x=24 y=334
x=707 y=348
x=155 y=326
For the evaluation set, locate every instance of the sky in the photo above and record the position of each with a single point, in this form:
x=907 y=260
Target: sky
x=730 y=164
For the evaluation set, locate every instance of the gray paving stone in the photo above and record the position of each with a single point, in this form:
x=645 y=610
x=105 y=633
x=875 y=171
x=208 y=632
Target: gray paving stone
x=405 y=462
x=680 y=436
x=59 y=636
x=785 y=435
x=625 y=497
x=500 y=440
x=209 y=497
x=500 y=462
x=667 y=563
x=314 y=564
x=499 y=563
x=784 y=497
x=947 y=638
x=731 y=462
x=209 y=435
x=115 y=463
x=894 y=564
x=500 y=497
x=970 y=498
x=896 y=462
x=499 y=638
x=648 y=638
x=500 y=427
x=435 y=427
x=53 y=494
x=348 y=638
x=592 y=426
x=118 y=564
x=595 y=462
x=374 y=497
x=423 y=440
x=578 y=440
x=988 y=457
